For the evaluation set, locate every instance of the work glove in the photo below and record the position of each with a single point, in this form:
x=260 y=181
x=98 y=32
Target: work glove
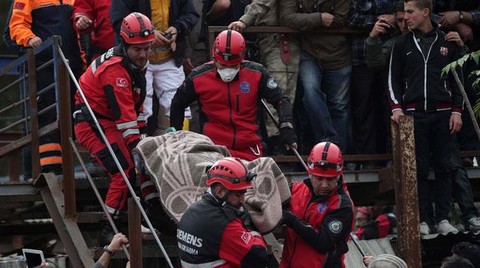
x=247 y=221
x=288 y=217
x=288 y=136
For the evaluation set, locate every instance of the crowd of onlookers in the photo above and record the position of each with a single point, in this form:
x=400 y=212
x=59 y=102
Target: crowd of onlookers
x=339 y=84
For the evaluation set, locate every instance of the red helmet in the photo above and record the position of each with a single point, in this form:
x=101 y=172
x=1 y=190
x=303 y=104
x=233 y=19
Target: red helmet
x=325 y=160
x=229 y=48
x=231 y=173
x=137 y=29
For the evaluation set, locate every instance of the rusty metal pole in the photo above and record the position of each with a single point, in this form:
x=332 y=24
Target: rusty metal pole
x=406 y=197
x=64 y=115
x=134 y=235
x=32 y=92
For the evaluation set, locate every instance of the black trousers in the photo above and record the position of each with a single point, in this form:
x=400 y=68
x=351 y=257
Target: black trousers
x=462 y=188
x=433 y=141
x=370 y=117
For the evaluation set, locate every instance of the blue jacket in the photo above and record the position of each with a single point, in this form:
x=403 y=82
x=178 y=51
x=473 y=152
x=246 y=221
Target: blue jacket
x=183 y=17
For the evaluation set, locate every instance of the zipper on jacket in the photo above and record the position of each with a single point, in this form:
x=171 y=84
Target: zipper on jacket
x=230 y=105
x=238 y=103
x=425 y=67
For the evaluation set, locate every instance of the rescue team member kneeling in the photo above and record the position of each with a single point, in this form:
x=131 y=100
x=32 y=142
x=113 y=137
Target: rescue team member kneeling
x=229 y=91
x=114 y=86
x=211 y=233
x=321 y=213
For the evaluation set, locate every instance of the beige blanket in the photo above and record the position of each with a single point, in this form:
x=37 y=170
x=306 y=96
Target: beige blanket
x=177 y=163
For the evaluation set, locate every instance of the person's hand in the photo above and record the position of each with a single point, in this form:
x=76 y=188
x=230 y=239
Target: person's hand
x=454 y=37
x=159 y=40
x=83 y=22
x=187 y=65
x=117 y=242
x=288 y=137
x=247 y=221
x=287 y=217
x=449 y=18
x=35 y=42
x=396 y=115
x=388 y=18
x=172 y=33
x=327 y=19
x=455 y=123
x=165 y=38
x=380 y=27
x=237 y=26
x=367 y=260
x=465 y=31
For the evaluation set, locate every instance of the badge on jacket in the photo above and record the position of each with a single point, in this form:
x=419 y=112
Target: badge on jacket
x=246 y=237
x=322 y=207
x=335 y=226
x=245 y=87
x=444 y=51
x=122 y=82
x=271 y=84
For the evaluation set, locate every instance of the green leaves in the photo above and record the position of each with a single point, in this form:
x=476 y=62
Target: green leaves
x=475 y=56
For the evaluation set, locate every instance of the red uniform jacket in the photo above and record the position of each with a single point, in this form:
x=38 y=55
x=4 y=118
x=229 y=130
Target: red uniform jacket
x=229 y=112
x=102 y=36
x=113 y=94
x=318 y=238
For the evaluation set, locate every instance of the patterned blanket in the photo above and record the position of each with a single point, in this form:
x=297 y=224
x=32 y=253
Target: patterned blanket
x=177 y=162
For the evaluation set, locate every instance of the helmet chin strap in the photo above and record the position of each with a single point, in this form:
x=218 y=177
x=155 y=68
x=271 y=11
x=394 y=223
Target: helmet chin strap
x=221 y=200
x=124 y=46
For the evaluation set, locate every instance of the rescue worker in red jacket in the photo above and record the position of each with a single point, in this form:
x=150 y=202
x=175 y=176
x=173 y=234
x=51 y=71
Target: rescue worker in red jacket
x=114 y=86
x=320 y=215
x=211 y=233
x=229 y=90
x=380 y=221
x=93 y=17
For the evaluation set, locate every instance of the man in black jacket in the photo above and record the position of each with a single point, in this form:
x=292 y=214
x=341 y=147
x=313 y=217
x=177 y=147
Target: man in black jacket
x=417 y=87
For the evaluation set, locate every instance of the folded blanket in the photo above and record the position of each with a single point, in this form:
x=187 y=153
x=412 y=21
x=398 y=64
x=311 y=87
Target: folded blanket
x=177 y=163
x=270 y=190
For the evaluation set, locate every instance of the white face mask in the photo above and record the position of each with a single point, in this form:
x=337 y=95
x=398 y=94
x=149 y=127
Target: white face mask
x=228 y=74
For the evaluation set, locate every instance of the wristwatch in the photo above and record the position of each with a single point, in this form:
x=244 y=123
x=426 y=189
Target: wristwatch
x=460 y=15
x=111 y=253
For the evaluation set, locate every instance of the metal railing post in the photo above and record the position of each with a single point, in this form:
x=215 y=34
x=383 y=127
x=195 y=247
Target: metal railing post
x=32 y=92
x=65 y=127
x=406 y=197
